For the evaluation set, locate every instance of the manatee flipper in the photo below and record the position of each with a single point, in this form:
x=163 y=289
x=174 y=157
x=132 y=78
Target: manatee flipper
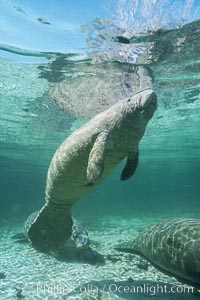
x=50 y=229
x=127 y=247
x=95 y=166
x=20 y=238
x=131 y=165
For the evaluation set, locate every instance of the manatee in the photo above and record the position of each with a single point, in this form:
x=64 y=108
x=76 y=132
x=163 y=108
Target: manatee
x=79 y=235
x=84 y=159
x=173 y=247
x=77 y=248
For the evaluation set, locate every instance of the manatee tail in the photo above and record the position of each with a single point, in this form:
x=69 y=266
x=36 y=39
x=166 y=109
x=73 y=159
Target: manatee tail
x=50 y=229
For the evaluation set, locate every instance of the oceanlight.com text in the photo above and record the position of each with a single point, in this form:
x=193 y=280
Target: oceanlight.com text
x=113 y=288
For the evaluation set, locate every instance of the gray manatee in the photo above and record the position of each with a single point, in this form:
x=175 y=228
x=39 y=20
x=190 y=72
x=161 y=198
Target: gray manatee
x=173 y=247
x=84 y=159
x=76 y=249
x=78 y=234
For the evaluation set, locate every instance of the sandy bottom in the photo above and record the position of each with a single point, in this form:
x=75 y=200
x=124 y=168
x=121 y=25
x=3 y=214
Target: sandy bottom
x=28 y=274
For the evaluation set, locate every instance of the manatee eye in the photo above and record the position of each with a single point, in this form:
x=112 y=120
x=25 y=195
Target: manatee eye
x=129 y=100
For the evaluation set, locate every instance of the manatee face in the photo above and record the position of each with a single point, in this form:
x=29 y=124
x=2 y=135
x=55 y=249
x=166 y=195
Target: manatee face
x=139 y=109
x=147 y=104
x=143 y=104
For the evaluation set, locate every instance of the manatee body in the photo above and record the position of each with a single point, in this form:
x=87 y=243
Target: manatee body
x=84 y=159
x=173 y=246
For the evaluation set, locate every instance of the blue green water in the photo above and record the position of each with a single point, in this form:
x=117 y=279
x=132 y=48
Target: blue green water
x=42 y=103
x=47 y=92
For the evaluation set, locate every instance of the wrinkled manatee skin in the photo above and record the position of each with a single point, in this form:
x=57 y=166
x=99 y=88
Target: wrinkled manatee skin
x=84 y=159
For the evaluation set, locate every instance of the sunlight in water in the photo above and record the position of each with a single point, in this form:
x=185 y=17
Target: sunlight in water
x=140 y=16
x=130 y=32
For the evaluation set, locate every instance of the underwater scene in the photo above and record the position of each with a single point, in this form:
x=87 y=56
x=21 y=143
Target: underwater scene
x=99 y=149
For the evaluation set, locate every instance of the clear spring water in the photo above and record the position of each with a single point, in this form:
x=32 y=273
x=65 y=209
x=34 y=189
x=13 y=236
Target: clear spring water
x=46 y=93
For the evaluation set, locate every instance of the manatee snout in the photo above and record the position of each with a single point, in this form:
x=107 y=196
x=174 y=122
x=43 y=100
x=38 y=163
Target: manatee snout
x=147 y=100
